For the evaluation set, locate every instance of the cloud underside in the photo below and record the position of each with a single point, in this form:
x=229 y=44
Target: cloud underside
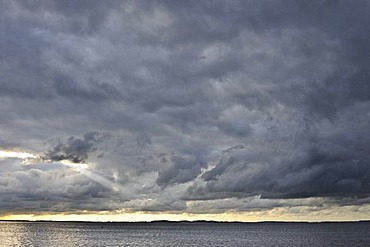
x=184 y=106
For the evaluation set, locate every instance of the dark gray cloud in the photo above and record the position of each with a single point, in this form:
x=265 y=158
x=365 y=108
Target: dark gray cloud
x=184 y=106
x=180 y=170
x=83 y=17
x=75 y=150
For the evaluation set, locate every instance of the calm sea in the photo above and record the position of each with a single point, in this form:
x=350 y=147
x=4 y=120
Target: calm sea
x=65 y=234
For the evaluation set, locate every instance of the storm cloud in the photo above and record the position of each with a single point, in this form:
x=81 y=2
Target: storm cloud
x=75 y=150
x=185 y=106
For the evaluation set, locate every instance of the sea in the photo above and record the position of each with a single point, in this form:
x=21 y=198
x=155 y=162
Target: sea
x=66 y=234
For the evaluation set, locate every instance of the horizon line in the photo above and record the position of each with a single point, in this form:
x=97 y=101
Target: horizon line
x=191 y=221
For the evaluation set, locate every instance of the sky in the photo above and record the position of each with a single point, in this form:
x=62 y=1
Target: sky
x=218 y=110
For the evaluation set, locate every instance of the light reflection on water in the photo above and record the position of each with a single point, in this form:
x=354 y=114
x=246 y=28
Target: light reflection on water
x=68 y=234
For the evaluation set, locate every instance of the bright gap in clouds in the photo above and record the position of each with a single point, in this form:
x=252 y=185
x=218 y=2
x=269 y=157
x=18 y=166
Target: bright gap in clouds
x=83 y=169
x=15 y=154
x=79 y=167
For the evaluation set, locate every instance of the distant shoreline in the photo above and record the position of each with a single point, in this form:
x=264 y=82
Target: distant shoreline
x=186 y=222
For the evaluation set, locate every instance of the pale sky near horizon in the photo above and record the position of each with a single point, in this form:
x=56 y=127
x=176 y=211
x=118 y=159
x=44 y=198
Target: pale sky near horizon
x=216 y=110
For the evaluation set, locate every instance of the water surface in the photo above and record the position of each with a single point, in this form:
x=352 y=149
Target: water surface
x=66 y=234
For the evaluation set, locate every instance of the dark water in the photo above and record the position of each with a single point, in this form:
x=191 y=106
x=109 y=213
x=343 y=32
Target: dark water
x=67 y=234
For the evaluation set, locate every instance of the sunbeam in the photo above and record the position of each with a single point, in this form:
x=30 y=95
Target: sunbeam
x=83 y=169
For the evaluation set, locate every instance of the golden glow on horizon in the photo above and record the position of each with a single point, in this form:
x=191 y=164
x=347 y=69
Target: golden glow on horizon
x=304 y=213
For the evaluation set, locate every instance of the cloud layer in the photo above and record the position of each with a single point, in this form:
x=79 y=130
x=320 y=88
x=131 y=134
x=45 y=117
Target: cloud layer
x=184 y=106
